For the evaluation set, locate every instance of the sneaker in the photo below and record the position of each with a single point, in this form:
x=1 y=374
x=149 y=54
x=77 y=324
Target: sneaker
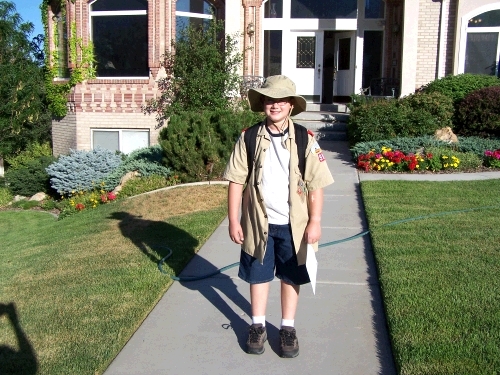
x=289 y=344
x=257 y=336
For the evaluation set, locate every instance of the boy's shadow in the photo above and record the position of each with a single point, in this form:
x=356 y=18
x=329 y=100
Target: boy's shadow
x=12 y=361
x=155 y=238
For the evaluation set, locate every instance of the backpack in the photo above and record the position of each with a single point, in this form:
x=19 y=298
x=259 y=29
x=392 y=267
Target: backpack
x=250 y=139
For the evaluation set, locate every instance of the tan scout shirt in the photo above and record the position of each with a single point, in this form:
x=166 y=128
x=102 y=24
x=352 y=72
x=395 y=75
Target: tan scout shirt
x=254 y=217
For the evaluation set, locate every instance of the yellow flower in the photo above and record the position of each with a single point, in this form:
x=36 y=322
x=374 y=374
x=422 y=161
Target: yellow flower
x=444 y=157
x=446 y=165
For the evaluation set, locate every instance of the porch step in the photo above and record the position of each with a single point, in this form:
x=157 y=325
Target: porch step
x=334 y=107
x=326 y=125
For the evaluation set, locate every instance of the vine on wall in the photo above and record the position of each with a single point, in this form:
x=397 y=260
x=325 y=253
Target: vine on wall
x=81 y=55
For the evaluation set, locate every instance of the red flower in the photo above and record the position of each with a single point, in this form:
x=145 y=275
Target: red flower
x=79 y=206
x=111 y=196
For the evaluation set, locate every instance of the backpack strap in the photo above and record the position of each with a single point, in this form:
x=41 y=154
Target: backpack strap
x=250 y=138
x=301 y=138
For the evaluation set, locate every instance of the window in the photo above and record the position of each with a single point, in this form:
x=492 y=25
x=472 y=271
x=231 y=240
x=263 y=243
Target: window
x=327 y=9
x=482 y=45
x=120 y=37
x=192 y=13
x=481 y=56
x=372 y=56
x=306 y=51
x=273 y=9
x=374 y=9
x=123 y=140
x=272 y=52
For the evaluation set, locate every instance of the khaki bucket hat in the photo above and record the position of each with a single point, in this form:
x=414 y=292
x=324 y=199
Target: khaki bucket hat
x=276 y=87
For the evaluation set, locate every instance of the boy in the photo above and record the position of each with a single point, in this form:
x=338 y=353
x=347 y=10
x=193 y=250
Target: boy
x=281 y=208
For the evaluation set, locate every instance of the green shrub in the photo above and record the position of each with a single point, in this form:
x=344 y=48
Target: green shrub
x=415 y=115
x=479 y=113
x=5 y=196
x=197 y=145
x=147 y=161
x=32 y=152
x=202 y=73
x=429 y=111
x=30 y=178
x=459 y=86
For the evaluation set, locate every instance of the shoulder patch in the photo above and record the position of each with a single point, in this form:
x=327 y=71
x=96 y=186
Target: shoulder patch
x=244 y=130
x=310 y=133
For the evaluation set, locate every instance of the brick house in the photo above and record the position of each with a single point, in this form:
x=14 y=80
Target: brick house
x=330 y=48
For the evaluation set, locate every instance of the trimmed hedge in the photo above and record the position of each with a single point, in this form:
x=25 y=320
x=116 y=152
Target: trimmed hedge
x=459 y=86
x=413 y=116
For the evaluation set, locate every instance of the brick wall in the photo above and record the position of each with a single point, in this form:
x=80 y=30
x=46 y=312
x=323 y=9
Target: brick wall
x=428 y=41
x=112 y=120
x=64 y=134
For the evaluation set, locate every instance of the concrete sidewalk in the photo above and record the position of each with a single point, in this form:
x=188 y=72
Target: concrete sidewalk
x=201 y=327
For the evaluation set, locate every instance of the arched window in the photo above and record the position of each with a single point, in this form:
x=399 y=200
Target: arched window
x=482 y=48
x=119 y=31
x=192 y=13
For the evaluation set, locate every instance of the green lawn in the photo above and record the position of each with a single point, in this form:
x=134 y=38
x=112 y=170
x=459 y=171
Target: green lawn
x=73 y=291
x=440 y=276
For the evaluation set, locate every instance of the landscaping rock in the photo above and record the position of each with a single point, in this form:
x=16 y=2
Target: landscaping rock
x=124 y=180
x=18 y=198
x=38 y=197
x=446 y=135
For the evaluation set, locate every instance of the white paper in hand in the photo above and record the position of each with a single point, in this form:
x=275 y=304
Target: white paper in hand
x=312 y=266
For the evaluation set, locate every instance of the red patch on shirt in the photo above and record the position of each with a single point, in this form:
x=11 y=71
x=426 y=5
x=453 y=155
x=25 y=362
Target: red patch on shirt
x=321 y=157
x=310 y=133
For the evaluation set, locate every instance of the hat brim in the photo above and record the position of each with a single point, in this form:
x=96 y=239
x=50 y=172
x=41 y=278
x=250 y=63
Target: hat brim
x=255 y=95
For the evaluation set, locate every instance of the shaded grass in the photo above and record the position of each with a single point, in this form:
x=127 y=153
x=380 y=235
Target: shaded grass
x=83 y=285
x=439 y=276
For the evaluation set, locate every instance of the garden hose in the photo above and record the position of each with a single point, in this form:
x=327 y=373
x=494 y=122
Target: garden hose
x=444 y=213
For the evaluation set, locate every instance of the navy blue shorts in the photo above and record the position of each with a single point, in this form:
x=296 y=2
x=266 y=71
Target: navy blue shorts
x=280 y=256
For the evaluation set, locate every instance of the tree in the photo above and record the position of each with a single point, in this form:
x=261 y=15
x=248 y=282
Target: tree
x=23 y=111
x=201 y=72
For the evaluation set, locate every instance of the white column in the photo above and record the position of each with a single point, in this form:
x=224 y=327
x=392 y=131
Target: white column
x=410 y=45
x=233 y=19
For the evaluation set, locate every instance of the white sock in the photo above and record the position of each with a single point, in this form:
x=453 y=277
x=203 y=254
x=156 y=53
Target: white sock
x=259 y=319
x=287 y=322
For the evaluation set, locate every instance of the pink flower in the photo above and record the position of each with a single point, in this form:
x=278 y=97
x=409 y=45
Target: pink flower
x=111 y=196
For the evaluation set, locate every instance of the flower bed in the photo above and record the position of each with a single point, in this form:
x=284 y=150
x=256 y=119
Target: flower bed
x=398 y=161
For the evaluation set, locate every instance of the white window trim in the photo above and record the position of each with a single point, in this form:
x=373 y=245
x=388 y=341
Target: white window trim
x=120 y=131
x=193 y=15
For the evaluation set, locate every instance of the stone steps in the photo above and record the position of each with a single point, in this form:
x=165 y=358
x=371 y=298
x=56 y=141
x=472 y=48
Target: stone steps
x=325 y=121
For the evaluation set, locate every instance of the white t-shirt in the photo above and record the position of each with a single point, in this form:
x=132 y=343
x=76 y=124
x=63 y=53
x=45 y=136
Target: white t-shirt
x=275 y=180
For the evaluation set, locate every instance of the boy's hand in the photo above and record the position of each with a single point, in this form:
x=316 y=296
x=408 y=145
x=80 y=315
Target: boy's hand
x=236 y=232
x=312 y=234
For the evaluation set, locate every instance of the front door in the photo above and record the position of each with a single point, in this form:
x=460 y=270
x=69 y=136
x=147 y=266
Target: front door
x=302 y=62
x=344 y=64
